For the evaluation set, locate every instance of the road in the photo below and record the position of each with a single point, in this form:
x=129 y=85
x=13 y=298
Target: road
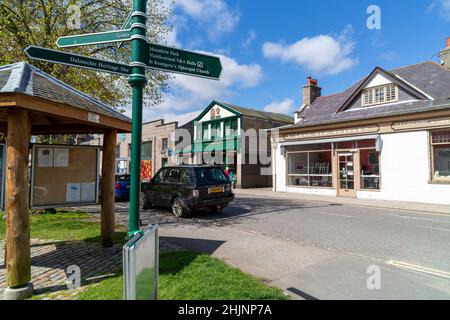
x=322 y=250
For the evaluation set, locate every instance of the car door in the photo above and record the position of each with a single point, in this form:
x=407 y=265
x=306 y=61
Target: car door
x=157 y=188
x=172 y=181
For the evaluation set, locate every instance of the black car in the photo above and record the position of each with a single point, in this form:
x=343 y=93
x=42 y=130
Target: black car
x=187 y=188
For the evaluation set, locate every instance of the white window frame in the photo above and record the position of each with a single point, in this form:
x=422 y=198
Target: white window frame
x=369 y=96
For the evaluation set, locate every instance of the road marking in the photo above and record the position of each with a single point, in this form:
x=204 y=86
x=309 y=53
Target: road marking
x=408 y=266
x=416 y=218
x=431 y=228
x=332 y=214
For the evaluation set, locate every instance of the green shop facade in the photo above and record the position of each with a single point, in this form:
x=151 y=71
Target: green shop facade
x=218 y=134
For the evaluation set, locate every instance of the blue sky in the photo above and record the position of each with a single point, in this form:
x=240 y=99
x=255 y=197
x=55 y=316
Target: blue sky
x=268 y=48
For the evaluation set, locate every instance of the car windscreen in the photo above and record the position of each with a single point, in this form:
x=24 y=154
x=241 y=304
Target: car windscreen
x=207 y=176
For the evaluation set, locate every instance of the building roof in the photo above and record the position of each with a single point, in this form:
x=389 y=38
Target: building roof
x=428 y=78
x=259 y=114
x=22 y=77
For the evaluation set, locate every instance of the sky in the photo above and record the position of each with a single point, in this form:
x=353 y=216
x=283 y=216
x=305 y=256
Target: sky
x=268 y=48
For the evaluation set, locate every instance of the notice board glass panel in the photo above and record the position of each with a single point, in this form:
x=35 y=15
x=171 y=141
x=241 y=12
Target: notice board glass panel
x=64 y=176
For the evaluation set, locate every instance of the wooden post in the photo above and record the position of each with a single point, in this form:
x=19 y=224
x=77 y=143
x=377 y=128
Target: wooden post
x=108 y=182
x=17 y=200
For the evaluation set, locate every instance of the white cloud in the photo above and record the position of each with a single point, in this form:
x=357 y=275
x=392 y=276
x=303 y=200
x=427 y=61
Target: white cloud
x=442 y=8
x=322 y=54
x=190 y=93
x=214 y=15
x=287 y=106
x=251 y=36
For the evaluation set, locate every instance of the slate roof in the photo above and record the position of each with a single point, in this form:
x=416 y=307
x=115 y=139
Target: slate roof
x=260 y=114
x=429 y=77
x=22 y=77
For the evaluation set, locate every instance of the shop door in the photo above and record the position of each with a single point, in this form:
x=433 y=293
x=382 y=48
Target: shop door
x=346 y=174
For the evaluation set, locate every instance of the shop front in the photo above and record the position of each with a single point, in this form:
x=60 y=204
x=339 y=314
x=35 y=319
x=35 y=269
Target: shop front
x=341 y=167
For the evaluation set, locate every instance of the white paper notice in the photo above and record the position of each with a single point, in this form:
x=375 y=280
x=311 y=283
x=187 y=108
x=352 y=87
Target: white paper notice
x=45 y=157
x=87 y=192
x=61 y=157
x=73 y=192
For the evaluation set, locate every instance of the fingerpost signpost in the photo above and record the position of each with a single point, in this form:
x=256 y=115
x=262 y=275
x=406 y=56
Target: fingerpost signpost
x=143 y=55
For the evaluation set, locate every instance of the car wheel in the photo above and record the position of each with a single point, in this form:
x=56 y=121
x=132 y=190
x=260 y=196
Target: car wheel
x=179 y=209
x=145 y=204
x=217 y=209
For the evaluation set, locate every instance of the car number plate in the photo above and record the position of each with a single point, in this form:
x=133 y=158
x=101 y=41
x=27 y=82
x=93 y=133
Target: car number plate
x=216 y=190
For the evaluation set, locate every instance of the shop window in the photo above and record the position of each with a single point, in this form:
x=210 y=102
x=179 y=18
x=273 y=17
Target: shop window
x=440 y=151
x=310 y=169
x=370 y=169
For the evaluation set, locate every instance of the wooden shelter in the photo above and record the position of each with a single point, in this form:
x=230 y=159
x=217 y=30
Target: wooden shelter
x=35 y=103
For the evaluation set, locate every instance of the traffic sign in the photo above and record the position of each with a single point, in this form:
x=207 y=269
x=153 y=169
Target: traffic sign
x=74 y=60
x=185 y=62
x=94 y=38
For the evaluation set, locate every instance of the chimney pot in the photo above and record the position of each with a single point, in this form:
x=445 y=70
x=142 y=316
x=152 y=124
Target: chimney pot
x=444 y=54
x=311 y=91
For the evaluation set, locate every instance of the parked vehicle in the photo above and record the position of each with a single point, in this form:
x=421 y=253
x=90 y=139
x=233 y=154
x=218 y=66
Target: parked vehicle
x=122 y=187
x=187 y=188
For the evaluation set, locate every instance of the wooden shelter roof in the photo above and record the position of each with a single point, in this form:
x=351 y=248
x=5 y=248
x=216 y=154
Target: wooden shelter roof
x=55 y=107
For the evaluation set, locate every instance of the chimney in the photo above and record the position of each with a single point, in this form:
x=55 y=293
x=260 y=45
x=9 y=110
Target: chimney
x=444 y=54
x=311 y=91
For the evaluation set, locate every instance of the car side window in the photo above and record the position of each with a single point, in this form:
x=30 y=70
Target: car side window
x=159 y=176
x=173 y=176
x=186 y=177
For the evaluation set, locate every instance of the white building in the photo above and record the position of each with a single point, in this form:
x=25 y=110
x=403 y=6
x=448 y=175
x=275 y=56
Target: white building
x=386 y=137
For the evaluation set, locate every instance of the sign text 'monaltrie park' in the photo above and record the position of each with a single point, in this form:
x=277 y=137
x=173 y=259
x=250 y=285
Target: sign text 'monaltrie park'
x=182 y=61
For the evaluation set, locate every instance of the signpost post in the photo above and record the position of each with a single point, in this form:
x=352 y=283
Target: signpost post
x=143 y=55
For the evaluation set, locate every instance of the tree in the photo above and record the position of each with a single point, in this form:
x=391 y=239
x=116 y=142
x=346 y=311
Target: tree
x=41 y=22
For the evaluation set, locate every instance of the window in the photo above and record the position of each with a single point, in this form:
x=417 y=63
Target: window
x=440 y=152
x=117 y=151
x=205 y=132
x=379 y=95
x=207 y=176
x=165 y=144
x=216 y=129
x=164 y=162
x=186 y=177
x=370 y=169
x=173 y=176
x=310 y=169
x=160 y=176
x=146 y=150
x=231 y=127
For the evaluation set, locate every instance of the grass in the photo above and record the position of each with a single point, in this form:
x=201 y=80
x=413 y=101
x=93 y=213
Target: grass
x=65 y=226
x=188 y=275
x=182 y=275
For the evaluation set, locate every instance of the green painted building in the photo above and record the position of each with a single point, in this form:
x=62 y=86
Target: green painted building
x=218 y=134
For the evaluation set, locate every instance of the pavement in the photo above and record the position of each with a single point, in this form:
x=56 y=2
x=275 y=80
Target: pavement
x=400 y=205
x=321 y=248
x=51 y=259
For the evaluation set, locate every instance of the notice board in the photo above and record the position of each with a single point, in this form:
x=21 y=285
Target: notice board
x=63 y=176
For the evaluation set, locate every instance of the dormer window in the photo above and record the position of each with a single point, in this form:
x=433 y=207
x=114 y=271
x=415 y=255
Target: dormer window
x=379 y=95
